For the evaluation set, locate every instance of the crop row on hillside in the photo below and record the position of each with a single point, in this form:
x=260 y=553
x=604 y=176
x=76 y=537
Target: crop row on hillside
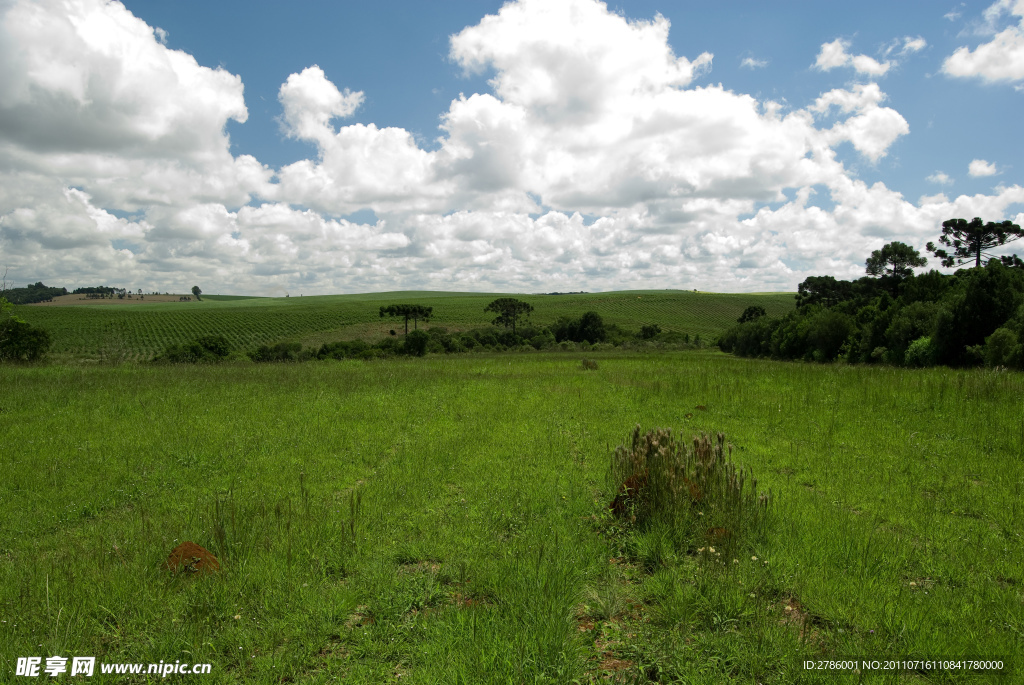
x=142 y=331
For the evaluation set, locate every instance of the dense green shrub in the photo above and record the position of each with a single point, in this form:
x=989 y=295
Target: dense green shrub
x=416 y=343
x=650 y=331
x=1003 y=348
x=20 y=341
x=344 y=349
x=751 y=339
x=281 y=352
x=207 y=348
x=908 y=324
x=216 y=345
x=588 y=328
x=920 y=353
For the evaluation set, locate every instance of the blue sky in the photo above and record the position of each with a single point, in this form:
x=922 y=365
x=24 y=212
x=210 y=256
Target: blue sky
x=531 y=146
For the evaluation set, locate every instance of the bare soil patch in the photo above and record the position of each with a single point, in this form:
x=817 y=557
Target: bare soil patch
x=70 y=300
x=191 y=558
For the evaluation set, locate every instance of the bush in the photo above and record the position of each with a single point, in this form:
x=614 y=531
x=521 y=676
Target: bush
x=281 y=352
x=343 y=349
x=20 y=341
x=217 y=345
x=208 y=348
x=416 y=344
x=588 y=328
x=650 y=331
x=1003 y=349
x=182 y=353
x=920 y=353
x=691 y=491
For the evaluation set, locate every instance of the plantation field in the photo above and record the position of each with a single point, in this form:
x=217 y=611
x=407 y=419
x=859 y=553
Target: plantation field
x=445 y=520
x=139 y=330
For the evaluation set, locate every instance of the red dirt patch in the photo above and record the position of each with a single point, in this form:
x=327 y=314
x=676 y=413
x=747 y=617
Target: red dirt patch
x=632 y=489
x=191 y=558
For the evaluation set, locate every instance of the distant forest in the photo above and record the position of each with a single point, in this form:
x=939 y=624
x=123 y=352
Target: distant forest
x=30 y=294
x=972 y=317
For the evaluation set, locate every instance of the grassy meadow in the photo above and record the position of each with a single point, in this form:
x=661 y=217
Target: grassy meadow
x=445 y=519
x=137 y=331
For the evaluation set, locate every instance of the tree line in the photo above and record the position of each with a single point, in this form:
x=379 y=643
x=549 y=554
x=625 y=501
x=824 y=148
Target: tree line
x=33 y=293
x=893 y=316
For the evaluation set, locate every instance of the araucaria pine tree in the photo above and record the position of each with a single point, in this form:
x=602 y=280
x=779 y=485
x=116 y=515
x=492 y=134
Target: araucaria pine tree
x=971 y=241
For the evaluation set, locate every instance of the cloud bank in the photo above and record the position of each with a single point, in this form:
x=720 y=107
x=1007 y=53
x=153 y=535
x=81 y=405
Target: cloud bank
x=999 y=60
x=598 y=160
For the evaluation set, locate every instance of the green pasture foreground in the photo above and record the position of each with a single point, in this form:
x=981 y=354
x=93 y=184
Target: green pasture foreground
x=444 y=520
x=134 y=331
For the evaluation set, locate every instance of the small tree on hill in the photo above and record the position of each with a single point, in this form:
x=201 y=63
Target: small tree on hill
x=970 y=241
x=408 y=311
x=650 y=331
x=895 y=259
x=197 y=292
x=510 y=311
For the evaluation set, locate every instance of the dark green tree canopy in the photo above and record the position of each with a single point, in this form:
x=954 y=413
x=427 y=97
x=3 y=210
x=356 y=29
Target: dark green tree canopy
x=197 y=292
x=823 y=290
x=754 y=311
x=20 y=341
x=895 y=259
x=650 y=331
x=510 y=311
x=1012 y=261
x=416 y=343
x=408 y=311
x=7 y=319
x=971 y=241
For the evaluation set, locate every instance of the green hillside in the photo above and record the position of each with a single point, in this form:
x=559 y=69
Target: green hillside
x=139 y=331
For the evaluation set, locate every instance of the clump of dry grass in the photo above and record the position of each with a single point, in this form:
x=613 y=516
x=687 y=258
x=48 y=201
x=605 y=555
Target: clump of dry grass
x=588 y=364
x=694 y=489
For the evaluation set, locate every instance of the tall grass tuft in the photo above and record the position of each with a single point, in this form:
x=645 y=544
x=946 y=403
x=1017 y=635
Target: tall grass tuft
x=695 y=490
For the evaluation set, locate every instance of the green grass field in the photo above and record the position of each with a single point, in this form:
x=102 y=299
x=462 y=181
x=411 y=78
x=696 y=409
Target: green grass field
x=444 y=520
x=134 y=331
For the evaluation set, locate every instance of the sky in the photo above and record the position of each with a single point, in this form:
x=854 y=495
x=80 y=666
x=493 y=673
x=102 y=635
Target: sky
x=272 y=148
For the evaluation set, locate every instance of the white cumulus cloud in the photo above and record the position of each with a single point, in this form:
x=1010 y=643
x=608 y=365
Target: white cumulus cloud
x=873 y=129
x=911 y=45
x=941 y=178
x=598 y=158
x=1000 y=59
x=979 y=167
x=833 y=55
x=310 y=101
